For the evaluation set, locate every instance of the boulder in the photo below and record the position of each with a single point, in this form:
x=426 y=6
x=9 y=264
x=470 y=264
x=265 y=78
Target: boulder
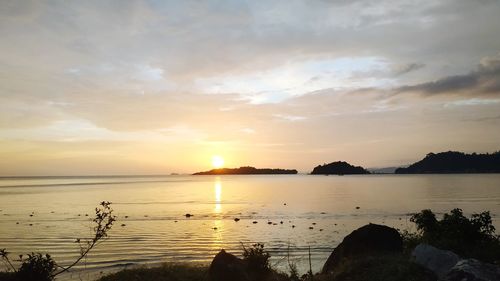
x=473 y=270
x=368 y=239
x=434 y=259
x=227 y=267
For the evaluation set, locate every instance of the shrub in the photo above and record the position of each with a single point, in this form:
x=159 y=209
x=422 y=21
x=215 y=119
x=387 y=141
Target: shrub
x=469 y=237
x=257 y=258
x=37 y=267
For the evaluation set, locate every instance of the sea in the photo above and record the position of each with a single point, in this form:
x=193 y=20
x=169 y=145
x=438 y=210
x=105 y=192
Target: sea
x=298 y=218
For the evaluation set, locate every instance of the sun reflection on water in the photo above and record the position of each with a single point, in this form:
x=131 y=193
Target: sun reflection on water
x=218 y=195
x=217 y=241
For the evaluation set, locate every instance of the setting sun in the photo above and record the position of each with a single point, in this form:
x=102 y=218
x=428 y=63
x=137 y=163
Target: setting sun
x=217 y=161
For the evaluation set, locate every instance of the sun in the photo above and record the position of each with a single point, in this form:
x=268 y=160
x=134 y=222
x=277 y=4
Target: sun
x=217 y=161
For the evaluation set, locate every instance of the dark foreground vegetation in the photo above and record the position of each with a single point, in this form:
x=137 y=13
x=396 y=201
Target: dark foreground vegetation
x=371 y=253
x=454 y=162
x=452 y=248
x=338 y=168
x=246 y=171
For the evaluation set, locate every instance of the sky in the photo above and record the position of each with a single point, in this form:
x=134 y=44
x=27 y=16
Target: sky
x=157 y=87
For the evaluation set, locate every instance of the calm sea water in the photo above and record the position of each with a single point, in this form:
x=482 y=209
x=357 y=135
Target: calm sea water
x=155 y=229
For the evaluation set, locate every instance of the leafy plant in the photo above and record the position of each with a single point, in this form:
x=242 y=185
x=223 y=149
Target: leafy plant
x=257 y=258
x=37 y=267
x=41 y=267
x=470 y=237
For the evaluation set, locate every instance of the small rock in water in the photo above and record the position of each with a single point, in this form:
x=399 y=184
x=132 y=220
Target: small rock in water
x=284 y=204
x=323 y=213
x=31 y=215
x=79 y=215
x=293 y=226
x=17 y=222
x=275 y=223
x=311 y=227
x=281 y=222
x=254 y=222
x=86 y=215
x=123 y=224
x=269 y=222
x=357 y=207
x=145 y=216
x=175 y=221
x=188 y=215
x=215 y=228
x=126 y=217
x=31 y=224
x=334 y=224
x=313 y=223
x=236 y=219
x=321 y=229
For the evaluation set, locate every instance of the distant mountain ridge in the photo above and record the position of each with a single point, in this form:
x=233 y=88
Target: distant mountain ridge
x=454 y=162
x=385 y=170
x=247 y=170
x=339 y=168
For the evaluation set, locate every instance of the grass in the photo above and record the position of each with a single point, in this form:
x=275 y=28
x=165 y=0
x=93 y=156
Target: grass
x=165 y=272
x=373 y=268
x=176 y=272
x=7 y=276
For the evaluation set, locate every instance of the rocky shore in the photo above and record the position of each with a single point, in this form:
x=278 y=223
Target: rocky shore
x=370 y=253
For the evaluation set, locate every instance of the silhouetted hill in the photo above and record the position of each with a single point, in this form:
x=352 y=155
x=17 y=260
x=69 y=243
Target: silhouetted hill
x=454 y=162
x=338 y=168
x=246 y=171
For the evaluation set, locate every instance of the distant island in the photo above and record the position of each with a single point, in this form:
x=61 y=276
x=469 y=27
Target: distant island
x=454 y=162
x=246 y=171
x=338 y=168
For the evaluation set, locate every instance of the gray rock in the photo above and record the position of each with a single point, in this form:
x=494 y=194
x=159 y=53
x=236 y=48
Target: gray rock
x=227 y=267
x=368 y=239
x=438 y=261
x=473 y=270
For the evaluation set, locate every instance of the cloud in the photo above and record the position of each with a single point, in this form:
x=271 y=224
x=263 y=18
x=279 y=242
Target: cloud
x=289 y=117
x=407 y=68
x=486 y=118
x=472 y=102
x=484 y=80
x=319 y=78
